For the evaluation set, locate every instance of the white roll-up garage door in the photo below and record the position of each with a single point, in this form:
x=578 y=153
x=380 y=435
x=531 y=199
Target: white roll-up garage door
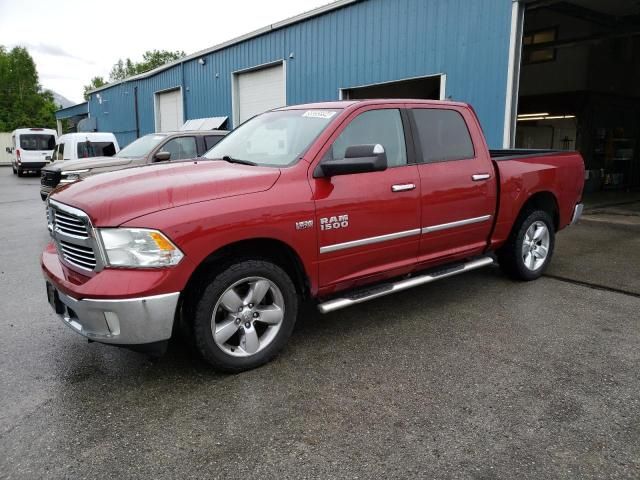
x=258 y=91
x=169 y=111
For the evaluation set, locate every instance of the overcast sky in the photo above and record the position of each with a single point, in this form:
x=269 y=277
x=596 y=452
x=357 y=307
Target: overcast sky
x=72 y=41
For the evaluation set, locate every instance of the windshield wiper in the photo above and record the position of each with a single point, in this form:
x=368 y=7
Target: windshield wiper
x=229 y=159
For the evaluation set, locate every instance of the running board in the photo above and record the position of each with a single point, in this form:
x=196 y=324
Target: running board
x=378 y=291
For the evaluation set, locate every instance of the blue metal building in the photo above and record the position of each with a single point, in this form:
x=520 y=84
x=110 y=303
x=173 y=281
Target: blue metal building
x=454 y=49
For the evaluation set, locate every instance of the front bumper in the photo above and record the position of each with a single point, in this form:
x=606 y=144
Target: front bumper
x=138 y=310
x=131 y=321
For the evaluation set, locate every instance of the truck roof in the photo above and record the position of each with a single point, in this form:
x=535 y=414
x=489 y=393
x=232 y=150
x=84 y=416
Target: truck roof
x=376 y=101
x=189 y=132
x=20 y=131
x=92 y=136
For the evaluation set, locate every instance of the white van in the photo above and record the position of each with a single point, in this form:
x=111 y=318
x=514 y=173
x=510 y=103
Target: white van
x=31 y=147
x=75 y=146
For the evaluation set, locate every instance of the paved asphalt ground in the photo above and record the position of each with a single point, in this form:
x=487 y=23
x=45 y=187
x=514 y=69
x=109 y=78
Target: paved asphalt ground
x=471 y=377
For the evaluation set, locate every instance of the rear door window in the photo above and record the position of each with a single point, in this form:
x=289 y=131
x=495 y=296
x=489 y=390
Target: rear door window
x=181 y=148
x=443 y=135
x=96 y=149
x=35 y=141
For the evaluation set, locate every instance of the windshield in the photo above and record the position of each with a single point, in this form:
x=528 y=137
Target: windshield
x=141 y=146
x=37 y=141
x=275 y=139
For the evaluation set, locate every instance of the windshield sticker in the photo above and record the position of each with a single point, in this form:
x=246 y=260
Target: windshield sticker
x=326 y=114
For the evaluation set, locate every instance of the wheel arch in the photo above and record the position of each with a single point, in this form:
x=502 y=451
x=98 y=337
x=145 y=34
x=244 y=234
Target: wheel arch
x=544 y=200
x=263 y=248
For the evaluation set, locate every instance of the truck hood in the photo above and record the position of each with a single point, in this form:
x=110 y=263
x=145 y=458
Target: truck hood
x=113 y=198
x=88 y=163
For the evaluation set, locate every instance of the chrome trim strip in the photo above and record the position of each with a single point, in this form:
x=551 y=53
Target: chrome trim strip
x=369 y=241
x=459 y=223
x=66 y=208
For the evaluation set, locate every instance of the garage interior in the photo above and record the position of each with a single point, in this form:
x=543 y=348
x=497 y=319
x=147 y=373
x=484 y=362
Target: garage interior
x=580 y=86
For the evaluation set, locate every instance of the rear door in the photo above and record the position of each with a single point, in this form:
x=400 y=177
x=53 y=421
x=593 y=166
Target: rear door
x=368 y=223
x=457 y=183
x=35 y=147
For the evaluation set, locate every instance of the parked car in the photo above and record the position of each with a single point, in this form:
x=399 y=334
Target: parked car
x=30 y=149
x=155 y=147
x=338 y=202
x=77 y=146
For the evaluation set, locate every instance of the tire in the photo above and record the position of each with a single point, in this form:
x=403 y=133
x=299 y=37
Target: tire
x=247 y=335
x=14 y=169
x=20 y=172
x=529 y=249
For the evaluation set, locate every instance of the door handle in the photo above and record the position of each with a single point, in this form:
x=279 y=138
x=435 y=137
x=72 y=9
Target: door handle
x=403 y=187
x=480 y=176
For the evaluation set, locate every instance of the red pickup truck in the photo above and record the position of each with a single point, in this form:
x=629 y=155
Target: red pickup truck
x=338 y=202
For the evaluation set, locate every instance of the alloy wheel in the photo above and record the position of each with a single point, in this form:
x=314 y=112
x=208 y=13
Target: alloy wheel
x=535 y=245
x=247 y=316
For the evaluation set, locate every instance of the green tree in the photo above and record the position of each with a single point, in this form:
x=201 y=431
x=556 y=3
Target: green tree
x=23 y=102
x=96 y=82
x=150 y=60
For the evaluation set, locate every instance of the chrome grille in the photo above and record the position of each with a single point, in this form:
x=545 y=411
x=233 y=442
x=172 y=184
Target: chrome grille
x=74 y=236
x=69 y=224
x=78 y=255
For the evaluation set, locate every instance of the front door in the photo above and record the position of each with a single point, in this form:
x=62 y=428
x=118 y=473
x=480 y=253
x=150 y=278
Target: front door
x=458 y=185
x=368 y=223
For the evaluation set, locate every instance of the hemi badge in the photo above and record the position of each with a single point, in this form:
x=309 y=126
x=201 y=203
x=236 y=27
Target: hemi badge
x=303 y=225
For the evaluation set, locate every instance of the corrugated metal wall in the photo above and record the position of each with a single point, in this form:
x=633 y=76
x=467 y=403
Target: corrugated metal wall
x=368 y=42
x=74 y=110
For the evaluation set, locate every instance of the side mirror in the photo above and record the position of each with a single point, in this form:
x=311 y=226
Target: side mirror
x=357 y=159
x=162 y=156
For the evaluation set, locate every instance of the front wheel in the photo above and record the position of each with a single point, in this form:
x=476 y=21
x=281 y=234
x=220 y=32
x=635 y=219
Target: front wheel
x=245 y=315
x=530 y=246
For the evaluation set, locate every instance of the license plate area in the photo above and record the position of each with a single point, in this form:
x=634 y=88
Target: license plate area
x=54 y=299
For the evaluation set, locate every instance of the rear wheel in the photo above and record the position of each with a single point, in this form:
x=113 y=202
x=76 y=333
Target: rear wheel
x=20 y=172
x=245 y=315
x=530 y=246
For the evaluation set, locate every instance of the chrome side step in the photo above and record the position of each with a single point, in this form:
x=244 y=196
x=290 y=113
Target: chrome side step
x=388 y=288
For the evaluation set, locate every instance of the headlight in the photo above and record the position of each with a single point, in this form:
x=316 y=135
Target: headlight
x=71 y=176
x=136 y=247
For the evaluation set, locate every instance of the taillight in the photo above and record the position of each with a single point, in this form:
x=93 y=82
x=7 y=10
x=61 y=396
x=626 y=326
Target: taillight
x=18 y=154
